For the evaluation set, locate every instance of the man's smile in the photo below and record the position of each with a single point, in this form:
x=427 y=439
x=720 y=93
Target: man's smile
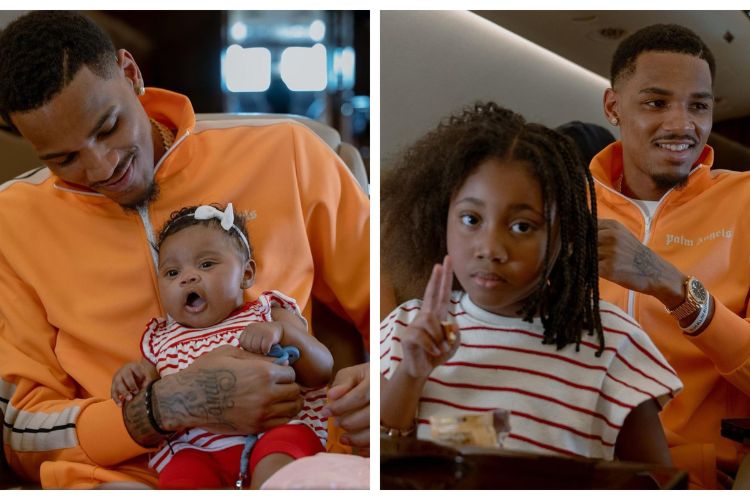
x=122 y=177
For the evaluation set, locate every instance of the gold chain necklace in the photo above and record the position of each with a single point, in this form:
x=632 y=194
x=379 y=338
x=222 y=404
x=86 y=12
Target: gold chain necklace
x=167 y=137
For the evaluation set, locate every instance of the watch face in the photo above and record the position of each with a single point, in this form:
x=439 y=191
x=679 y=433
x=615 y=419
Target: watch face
x=698 y=291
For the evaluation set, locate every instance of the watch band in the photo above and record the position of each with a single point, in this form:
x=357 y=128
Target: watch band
x=684 y=310
x=699 y=320
x=690 y=304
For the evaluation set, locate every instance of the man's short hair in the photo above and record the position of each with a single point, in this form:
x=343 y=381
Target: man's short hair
x=40 y=54
x=658 y=38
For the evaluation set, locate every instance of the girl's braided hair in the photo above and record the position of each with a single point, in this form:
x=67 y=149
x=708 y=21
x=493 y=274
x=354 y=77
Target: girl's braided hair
x=416 y=194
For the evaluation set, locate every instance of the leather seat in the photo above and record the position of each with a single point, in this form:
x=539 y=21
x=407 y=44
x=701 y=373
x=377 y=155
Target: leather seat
x=330 y=136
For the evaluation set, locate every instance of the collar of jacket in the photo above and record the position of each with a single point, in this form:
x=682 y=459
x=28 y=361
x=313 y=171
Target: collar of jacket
x=607 y=166
x=169 y=108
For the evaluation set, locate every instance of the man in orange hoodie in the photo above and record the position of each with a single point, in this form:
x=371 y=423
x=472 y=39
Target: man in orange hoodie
x=674 y=240
x=77 y=268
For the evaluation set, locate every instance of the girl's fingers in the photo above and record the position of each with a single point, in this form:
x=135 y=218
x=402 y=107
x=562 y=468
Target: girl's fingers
x=255 y=344
x=430 y=334
x=117 y=390
x=420 y=337
x=444 y=295
x=143 y=379
x=428 y=344
x=435 y=330
x=432 y=290
x=430 y=325
x=120 y=391
x=448 y=328
x=268 y=341
x=437 y=293
x=129 y=381
x=450 y=331
x=454 y=340
x=139 y=375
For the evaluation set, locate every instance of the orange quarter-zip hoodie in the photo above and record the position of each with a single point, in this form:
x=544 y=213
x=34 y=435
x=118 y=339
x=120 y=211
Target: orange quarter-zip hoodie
x=78 y=283
x=703 y=229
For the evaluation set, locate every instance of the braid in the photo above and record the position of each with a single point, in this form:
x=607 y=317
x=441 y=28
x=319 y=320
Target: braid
x=595 y=318
x=567 y=297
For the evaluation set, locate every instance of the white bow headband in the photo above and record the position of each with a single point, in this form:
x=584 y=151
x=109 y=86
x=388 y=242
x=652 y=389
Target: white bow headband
x=207 y=212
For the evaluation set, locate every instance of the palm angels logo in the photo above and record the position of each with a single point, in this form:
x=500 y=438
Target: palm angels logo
x=678 y=239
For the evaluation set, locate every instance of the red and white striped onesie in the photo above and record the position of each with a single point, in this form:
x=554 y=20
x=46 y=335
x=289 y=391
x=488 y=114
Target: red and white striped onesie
x=562 y=402
x=172 y=347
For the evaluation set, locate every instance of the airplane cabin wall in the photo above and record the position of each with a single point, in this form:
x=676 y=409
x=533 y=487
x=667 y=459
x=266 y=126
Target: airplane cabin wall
x=434 y=63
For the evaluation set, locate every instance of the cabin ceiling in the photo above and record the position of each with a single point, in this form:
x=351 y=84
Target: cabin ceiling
x=589 y=38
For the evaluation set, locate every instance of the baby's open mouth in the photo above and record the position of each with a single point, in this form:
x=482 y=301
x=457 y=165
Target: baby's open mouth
x=194 y=302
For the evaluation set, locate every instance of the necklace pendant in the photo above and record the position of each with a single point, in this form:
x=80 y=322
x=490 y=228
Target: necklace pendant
x=167 y=138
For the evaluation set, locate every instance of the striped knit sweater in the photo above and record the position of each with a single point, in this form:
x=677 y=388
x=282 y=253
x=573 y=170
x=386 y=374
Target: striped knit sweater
x=562 y=402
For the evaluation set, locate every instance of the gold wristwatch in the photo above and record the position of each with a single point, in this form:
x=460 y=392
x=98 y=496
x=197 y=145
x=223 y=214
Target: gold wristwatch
x=696 y=297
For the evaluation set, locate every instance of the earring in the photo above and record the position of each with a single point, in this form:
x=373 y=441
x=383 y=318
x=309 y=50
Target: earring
x=614 y=121
x=139 y=90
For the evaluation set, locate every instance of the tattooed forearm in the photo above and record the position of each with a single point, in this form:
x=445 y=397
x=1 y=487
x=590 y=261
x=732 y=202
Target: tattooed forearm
x=185 y=400
x=202 y=399
x=646 y=264
x=136 y=421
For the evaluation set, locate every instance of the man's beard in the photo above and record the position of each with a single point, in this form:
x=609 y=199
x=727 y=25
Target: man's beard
x=669 y=181
x=151 y=194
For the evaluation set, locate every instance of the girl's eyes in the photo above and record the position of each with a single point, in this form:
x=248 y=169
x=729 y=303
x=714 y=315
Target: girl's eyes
x=469 y=220
x=172 y=273
x=521 y=227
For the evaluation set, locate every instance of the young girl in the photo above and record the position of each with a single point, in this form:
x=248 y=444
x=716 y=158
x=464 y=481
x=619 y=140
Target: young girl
x=205 y=264
x=521 y=327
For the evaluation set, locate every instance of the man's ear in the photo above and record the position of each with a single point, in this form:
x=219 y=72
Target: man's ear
x=611 y=107
x=248 y=278
x=126 y=63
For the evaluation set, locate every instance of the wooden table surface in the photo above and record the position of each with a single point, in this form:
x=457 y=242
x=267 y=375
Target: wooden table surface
x=414 y=464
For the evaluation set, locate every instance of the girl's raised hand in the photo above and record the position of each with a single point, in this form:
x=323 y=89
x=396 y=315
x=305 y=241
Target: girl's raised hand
x=131 y=379
x=431 y=339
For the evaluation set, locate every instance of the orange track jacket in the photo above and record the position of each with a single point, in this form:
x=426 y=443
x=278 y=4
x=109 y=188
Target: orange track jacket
x=77 y=280
x=702 y=229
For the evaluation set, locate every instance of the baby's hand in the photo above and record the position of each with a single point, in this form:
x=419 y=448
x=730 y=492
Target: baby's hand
x=431 y=340
x=259 y=337
x=129 y=380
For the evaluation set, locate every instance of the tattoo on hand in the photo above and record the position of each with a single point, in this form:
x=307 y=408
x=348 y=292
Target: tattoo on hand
x=205 y=397
x=646 y=264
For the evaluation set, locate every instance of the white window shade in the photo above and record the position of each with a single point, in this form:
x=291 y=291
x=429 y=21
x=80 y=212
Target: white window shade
x=304 y=68
x=247 y=70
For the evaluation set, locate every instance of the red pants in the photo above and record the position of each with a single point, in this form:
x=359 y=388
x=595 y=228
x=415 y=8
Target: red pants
x=202 y=469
